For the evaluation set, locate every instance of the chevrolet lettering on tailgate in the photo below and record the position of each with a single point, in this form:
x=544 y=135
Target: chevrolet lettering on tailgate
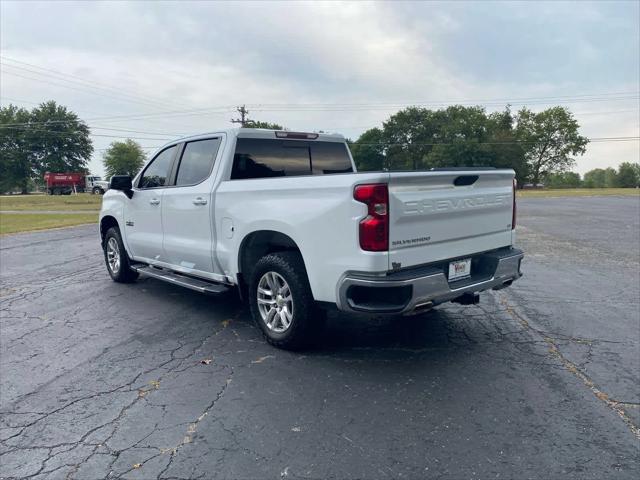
x=418 y=207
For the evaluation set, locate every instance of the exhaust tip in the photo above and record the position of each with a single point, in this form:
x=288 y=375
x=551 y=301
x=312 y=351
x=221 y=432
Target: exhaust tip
x=422 y=307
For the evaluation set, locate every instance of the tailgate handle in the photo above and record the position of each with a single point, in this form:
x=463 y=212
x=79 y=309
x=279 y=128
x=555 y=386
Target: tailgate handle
x=464 y=180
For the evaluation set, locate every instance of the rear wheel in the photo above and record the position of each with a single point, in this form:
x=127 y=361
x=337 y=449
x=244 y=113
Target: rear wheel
x=116 y=258
x=281 y=301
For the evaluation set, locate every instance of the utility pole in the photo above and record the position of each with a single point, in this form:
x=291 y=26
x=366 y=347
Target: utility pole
x=243 y=120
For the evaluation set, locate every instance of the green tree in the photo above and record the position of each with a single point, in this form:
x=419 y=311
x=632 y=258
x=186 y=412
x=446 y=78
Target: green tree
x=458 y=136
x=629 y=175
x=15 y=157
x=563 y=180
x=610 y=178
x=369 y=152
x=463 y=135
x=550 y=139
x=594 y=178
x=59 y=141
x=123 y=158
x=409 y=136
x=468 y=137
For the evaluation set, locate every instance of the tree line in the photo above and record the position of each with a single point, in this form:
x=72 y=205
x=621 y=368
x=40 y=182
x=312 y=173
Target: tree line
x=541 y=147
x=535 y=145
x=626 y=176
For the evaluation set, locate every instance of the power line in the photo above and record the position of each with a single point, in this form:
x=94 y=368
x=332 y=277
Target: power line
x=74 y=132
x=437 y=105
x=83 y=89
x=501 y=100
x=145 y=116
x=38 y=70
x=407 y=144
x=92 y=83
x=95 y=127
x=26 y=127
x=94 y=150
x=367 y=127
x=614 y=96
x=4 y=98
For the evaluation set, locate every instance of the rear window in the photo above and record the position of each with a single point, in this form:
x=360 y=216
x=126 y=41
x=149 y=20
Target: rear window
x=330 y=157
x=264 y=158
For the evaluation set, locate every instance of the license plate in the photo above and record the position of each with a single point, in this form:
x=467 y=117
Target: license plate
x=459 y=269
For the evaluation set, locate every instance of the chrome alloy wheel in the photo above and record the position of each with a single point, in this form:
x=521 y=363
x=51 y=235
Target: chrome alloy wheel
x=113 y=255
x=275 y=302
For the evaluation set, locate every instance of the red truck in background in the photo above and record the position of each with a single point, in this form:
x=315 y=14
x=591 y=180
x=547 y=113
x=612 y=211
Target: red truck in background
x=67 y=183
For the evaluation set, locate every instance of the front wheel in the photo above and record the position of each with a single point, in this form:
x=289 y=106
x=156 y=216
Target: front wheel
x=116 y=258
x=97 y=191
x=281 y=301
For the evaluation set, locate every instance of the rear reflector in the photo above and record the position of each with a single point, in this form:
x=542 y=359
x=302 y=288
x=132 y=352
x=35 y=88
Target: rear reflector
x=374 y=228
x=297 y=135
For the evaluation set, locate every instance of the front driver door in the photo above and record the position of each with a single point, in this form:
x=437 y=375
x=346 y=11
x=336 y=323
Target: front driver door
x=143 y=211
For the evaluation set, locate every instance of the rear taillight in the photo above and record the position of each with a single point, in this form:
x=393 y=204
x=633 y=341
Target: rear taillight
x=374 y=228
x=513 y=212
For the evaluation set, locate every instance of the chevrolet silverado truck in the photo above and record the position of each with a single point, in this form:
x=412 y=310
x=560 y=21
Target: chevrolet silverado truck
x=285 y=218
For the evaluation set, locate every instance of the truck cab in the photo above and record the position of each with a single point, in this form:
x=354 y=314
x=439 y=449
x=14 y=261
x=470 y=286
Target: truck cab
x=95 y=185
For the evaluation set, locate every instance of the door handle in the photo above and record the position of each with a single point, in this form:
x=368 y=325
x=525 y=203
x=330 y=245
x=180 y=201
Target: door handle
x=154 y=201
x=199 y=201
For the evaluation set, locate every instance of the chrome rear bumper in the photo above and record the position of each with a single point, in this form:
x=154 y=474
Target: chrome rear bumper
x=417 y=289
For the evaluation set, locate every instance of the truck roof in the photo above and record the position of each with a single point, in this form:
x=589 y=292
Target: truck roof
x=263 y=133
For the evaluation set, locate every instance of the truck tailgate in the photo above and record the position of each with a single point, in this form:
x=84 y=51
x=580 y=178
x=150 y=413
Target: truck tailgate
x=439 y=215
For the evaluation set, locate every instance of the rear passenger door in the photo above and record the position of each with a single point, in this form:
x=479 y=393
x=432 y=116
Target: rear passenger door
x=187 y=210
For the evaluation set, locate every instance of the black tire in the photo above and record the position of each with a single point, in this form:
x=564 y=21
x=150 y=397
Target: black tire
x=123 y=273
x=307 y=320
x=96 y=191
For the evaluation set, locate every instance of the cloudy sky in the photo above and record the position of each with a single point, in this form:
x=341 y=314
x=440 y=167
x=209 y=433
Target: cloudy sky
x=154 y=71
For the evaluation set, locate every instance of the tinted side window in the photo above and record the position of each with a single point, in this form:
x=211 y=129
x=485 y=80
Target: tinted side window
x=157 y=172
x=330 y=157
x=197 y=161
x=259 y=158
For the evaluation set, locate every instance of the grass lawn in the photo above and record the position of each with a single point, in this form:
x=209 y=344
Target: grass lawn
x=17 y=222
x=579 y=192
x=82 y=201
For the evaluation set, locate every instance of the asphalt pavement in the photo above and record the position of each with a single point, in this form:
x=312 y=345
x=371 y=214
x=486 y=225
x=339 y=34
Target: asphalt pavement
x=541 y=380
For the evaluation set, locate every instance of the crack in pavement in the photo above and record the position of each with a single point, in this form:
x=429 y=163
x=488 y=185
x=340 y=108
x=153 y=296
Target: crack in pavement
x=571 y=367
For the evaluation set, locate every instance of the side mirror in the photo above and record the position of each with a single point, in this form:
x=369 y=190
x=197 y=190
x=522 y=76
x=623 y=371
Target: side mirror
x=122 y=183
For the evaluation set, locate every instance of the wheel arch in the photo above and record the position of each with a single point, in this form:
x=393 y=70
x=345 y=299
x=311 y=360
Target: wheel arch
x=106 y=223
x=259 y=243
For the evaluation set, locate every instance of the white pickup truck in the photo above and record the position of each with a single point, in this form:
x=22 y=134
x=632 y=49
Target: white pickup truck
x=285 y=218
